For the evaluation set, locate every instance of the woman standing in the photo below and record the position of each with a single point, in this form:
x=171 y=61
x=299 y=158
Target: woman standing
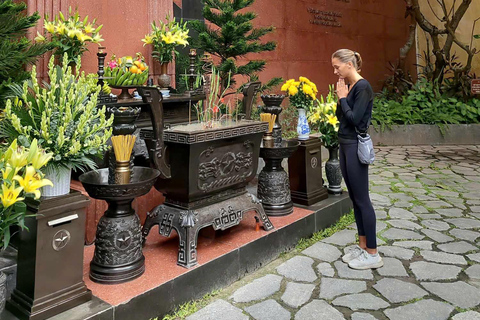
x=354 y=113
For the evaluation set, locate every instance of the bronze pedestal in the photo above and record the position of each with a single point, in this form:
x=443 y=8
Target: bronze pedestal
x=50 y=258
x=305 y=172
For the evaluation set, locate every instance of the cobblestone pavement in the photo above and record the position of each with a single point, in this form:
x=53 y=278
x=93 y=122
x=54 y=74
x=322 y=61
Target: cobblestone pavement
x=427 y=201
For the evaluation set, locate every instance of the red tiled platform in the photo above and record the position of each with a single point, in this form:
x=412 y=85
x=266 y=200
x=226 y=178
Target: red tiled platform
x=161 y=255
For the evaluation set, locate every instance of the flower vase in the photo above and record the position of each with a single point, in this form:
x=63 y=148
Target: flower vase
x=164 y=80
x=303 y=129
x=61 y=183
x=333 y=172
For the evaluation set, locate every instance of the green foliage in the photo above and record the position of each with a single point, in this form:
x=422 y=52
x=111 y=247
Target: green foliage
x=424 y=104
x=232 y=36
x=62 y=116
x=16 y=51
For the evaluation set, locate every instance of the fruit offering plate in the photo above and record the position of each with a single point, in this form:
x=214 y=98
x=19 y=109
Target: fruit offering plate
x=125 y=94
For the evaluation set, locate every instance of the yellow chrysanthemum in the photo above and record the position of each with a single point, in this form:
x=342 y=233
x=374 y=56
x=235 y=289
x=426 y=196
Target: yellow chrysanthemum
x=307 y=89
x=304 y=79
x=292 y=90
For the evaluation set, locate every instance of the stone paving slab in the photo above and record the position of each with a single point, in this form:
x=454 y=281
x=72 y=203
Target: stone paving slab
x=457 y=247
x=362 y=316
x=258 y=289
x=443 y=257
x=268 y=310
x=465 y=234
x=464 y=223
x=297 y=294
x=298 y=269
x=219 y=309
x=397 y=291
x=437 y=236
x=323 y=251
x=434 y=271
x=361 y=301
x=318 y=309
x=469 y=315
x=398 y=213
x=392 y=268
x=396 y=252
x=330 y=288
x=473 y=272
x=421 y=244
x=404 y=224
x=325 y=269
x=422 y=310
x=400 y=234
x=459 y=293
x=435 y=225
x=342 y=238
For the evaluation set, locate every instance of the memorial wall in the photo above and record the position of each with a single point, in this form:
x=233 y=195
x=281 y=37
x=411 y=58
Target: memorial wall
x=307 y=32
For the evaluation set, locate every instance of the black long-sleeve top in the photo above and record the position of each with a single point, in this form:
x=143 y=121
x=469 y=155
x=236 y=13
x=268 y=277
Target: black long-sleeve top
x=355 y=111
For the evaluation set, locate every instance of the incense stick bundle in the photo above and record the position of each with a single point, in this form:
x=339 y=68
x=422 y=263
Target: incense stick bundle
x=270 y=118
x=123 y=146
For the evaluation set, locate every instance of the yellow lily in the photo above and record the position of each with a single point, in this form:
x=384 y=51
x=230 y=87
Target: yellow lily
x=49 y=26
x=72 y=33
x=39 y=37
x=32 y=182
x=332 y=120
x=10 y=194
x=168 y=38
x=148 y=39
x=82 y=37
x=61 y=28
x=89 y=28
x=40 y=159
x=97 y=38
x=18 y=158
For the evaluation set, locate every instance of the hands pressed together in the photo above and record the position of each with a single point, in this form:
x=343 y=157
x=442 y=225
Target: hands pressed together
x=342 y=89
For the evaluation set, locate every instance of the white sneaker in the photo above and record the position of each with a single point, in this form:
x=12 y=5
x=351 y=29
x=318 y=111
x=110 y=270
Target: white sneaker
x=351 y=253
x=366 y=261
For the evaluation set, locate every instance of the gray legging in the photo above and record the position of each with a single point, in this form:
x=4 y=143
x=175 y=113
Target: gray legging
x=356 y=179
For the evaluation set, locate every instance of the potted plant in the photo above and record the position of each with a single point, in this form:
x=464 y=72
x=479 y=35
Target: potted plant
x=20 y=177
x=64 y=118
x=323 y=118
x=70 y=35
x=164 y=38
x=302 y=94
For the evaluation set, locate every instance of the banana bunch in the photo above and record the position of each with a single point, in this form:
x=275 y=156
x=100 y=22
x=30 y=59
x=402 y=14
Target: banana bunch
x=126 y=71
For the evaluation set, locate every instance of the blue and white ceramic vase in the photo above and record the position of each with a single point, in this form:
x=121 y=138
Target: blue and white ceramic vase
x=303 y=129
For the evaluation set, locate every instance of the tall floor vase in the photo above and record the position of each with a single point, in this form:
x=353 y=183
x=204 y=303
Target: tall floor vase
x=333 y=172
